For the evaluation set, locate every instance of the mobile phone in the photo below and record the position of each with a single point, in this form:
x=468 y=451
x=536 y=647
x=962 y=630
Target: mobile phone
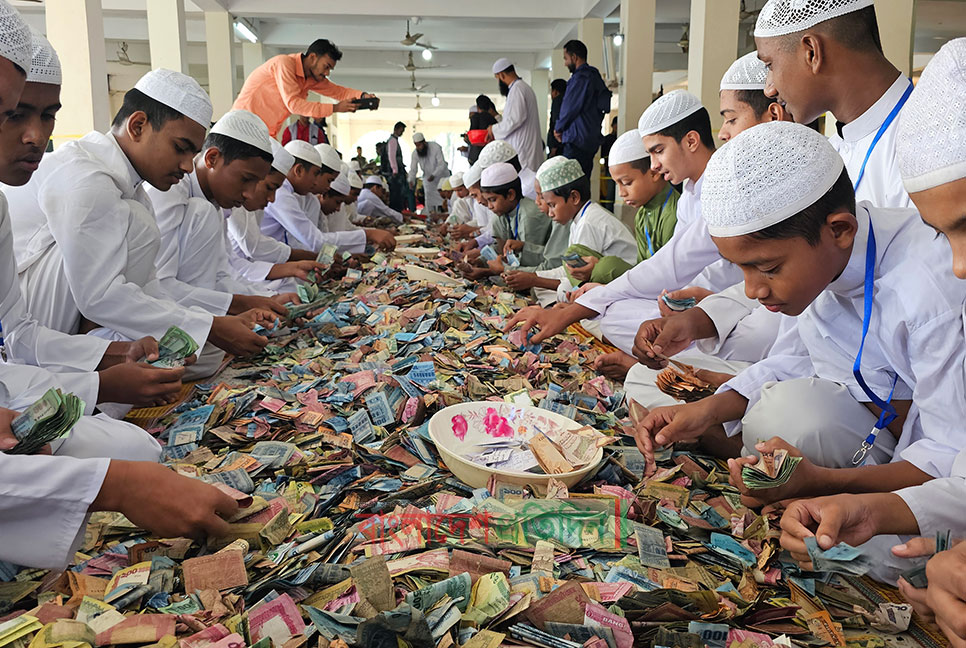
x=366 y=103
x=575 y=260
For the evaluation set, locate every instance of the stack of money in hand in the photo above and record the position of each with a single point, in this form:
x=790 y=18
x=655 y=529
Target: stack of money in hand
x=50 y=418
x=326 y=255
x=842 y=558
x=679 y=305
x=307 y=292
x=917 y=575
x=772 y=470
x=174 y=347
x=681 y=382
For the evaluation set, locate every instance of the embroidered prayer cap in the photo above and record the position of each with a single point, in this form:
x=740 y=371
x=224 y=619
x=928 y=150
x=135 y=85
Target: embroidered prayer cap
x=496 y=151
x=931 y=140
x=246 y=127
x=473 y=175
x=304 y=152
x=354 y=180
x=627 y=148
x=374 y=179
x=747 y=73
x=501 y=64
x=764 y=175
x=44 y=62
x=418 y=137
x=667 y=111
x=559 y=174
x=330 y=157
x=282 y=160
x=445 y=185
x=780 y=17
x=15 y=38
x=179 y=92
x=499 y=174
x=456 y=180
x=341 y=183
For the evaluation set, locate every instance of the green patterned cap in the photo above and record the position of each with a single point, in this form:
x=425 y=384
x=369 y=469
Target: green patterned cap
x=552 y=176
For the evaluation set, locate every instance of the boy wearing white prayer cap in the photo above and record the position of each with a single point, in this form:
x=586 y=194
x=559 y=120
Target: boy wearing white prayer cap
x=481 y=226
x=460 y=205
x=931 y=152
x=873 y=326
x=84 y=229
x=374 y=200
x=826 y=56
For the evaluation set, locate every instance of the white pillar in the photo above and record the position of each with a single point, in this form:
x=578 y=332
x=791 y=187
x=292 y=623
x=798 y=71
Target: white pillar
x=221 y=60
x=76 y=30
x=540 y=82
x=253 y=55
x=590 y=31
x=557 y=69
x=166 y=35
x=636 y=72
x=713 y=48
x=897 y=24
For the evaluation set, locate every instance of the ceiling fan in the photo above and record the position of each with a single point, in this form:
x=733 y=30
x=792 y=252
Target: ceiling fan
x=412 y=67
x=412 y=85
x=410 y=40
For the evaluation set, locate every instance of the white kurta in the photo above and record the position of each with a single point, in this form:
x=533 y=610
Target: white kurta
x=371 y=205
x=432 y=164
x=598 y=229
x=916 y=332
x=294 y=219
x=460 y=210
x=252 y=253
x=352 y=240
x=938 y=504
x=520 y=125
x=341 y=219
x=86 y=242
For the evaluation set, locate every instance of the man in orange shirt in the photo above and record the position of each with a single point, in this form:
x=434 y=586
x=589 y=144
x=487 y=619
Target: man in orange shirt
x=280 y=86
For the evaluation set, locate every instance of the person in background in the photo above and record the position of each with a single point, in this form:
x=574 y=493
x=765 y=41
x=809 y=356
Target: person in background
x=303 y=129
x=429 y=157
x=520 y=125
x=606 y=142
x=373 y=200
x=480 y=120
x=395 y=168
x=360 y=158
x=557 y=89
x=584 y=105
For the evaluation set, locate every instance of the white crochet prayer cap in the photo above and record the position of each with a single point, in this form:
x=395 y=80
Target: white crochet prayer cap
x=498 y=174
x=418 y=137
x=179 y=92
x=496 y=151
x=780 y=17
x=15 y=44
x=747 y=73
x=931 y=141
x=341 y=183
x=667 y=111
x=501 y=64
x=282 y=160
x=765 y=175
x=472 y=175
x=456 y=180
x=246 y=127
x=354 y=180
x=304 y=151
x=329 y=156
x=44 y=62
x=627 y=148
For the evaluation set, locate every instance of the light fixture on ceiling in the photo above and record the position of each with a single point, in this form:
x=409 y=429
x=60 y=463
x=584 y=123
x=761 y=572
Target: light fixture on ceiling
x=245 y=31
x=427 y=54
x=435 y=100
x=618 y=39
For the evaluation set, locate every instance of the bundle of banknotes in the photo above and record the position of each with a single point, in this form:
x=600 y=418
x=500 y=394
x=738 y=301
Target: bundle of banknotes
x=917 y=575
x=773 y=469
x=48 y=419
x=174 y=347
x=680 y=381
x=678 y=305
x=840 y=559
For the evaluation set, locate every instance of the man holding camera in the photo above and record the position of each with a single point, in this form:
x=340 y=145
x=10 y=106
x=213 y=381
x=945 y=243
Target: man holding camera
x=280 y=87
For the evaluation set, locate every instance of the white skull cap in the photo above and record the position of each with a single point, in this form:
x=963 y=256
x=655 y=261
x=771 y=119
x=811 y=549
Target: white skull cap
x=44 y=63
x=456 y=180
x=747 y=73
x=472 y=175
x=781 y=17
x=282 y=160
x=765 y=175
x=496 y=151
x=354 y=180
x=373 y=179
x=931 y=140
x=418 y=137
x=498 y=174
x=341 y=183
x=179 y=92
x=501 y=64
x=245 y=127
x=330 y=157
x=627 y=148
x=304 y=151
x=15 y=39
x=667 y=111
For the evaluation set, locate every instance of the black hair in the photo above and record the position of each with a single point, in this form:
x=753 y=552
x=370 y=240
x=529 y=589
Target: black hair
x=485 y=104
x=305 y=163
x=856 y=30
x=642 y=164
x=371 y=185
x=560 y=85
x=515 y=162
x=576 y=48
x=807 y=224
x=158 y=114
x=504 y=189
x=232 y=149
x=509 y=70
x=581 y=185
x=757 y=100
x=323 y=47
x=326 y=169
x=698 y=121
x=396 y=127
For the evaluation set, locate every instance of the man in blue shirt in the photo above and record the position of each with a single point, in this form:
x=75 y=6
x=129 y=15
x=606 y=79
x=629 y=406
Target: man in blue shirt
x=585 y=102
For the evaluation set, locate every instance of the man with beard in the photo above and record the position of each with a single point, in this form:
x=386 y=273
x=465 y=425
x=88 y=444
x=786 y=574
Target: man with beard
x=429 y=156
x=586 y=101
x=521 y=120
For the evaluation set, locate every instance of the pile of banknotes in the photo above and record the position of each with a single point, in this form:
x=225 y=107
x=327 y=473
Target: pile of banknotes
x=680 y=381
x=50 y=418
x=174 y=347
x=773 y=469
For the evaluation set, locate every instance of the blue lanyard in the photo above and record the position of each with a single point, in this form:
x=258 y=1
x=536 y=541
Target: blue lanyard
x=3 y=355
x=516 y=223
x=882 y=130
x=888 y=413
x=580 y=214
x=647 y=234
